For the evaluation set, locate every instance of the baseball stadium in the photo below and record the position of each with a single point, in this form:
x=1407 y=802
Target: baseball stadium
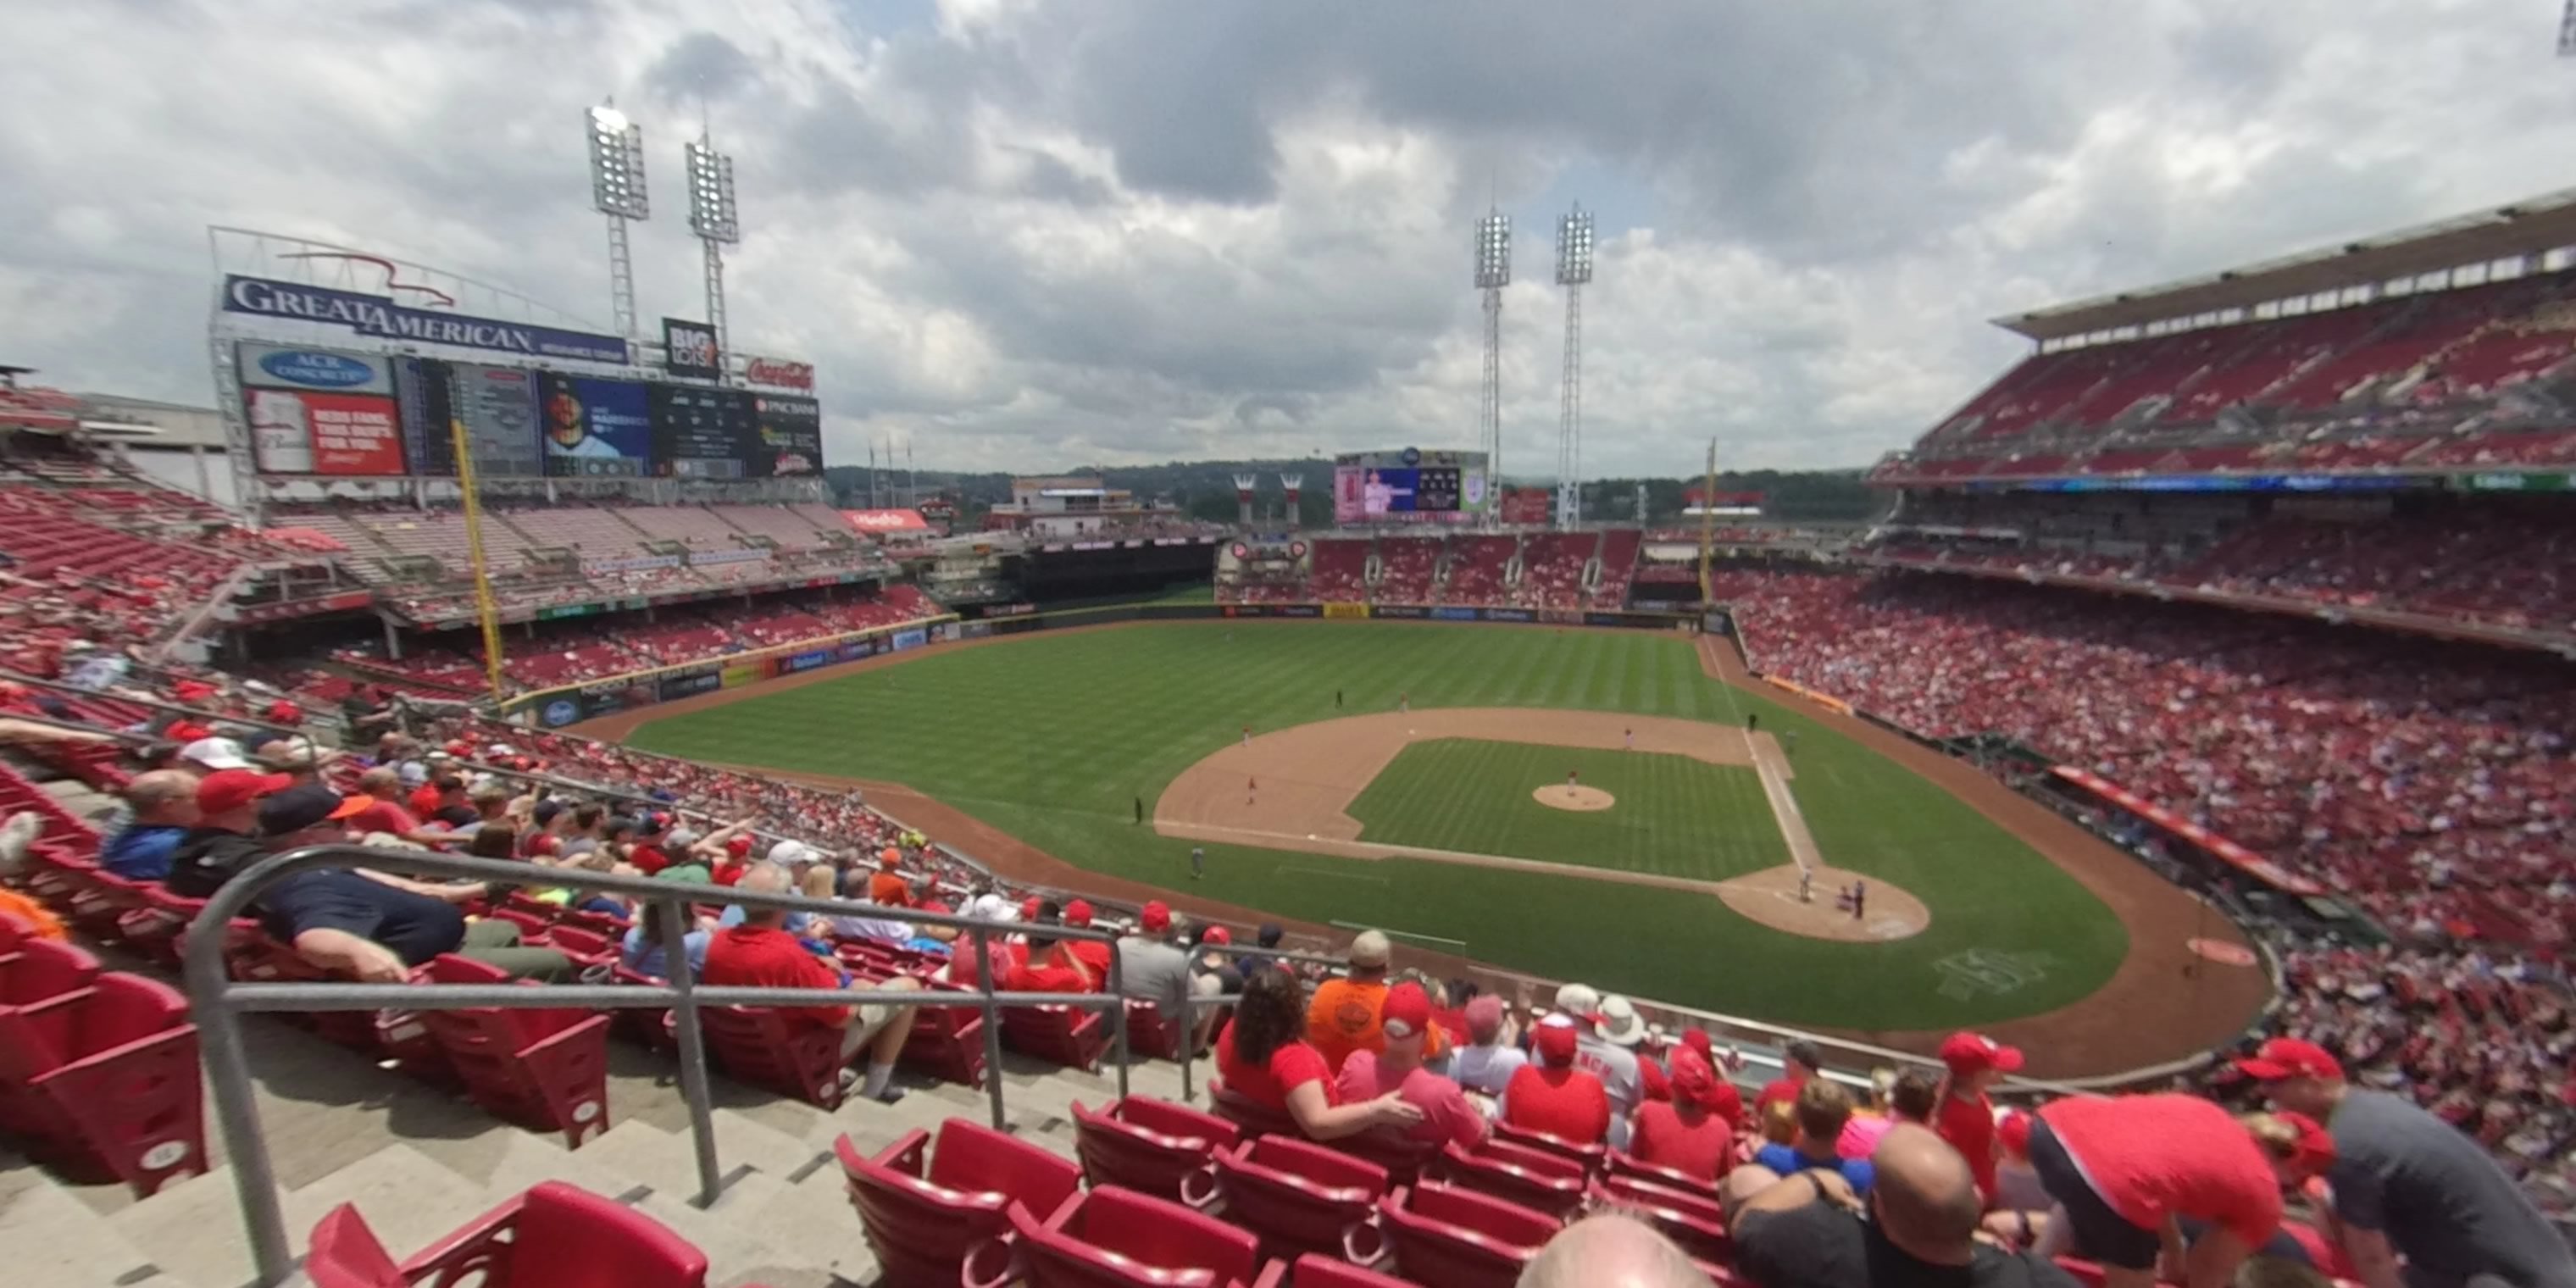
x=489 y=761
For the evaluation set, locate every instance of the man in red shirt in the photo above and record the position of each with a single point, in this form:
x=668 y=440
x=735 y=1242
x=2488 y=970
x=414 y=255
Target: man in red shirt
x=1050 y=968
x=2123 y=1169
x=1966 y=1118
x=1799 y=1061
x=1694 y=1132
x=1551 y=1095
x=760 y=953
x=1093 y=953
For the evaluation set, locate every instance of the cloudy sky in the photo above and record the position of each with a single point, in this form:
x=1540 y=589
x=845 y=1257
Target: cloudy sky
x=1034 y=233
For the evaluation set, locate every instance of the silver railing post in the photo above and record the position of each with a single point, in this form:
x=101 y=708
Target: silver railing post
x=693 y=1046
x=1189 y=1021
x=992 y=1020
x=1117 y=982
x=236 y=1110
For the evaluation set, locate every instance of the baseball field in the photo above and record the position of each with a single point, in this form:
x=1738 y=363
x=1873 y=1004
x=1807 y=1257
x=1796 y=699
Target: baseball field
x=1415 y=777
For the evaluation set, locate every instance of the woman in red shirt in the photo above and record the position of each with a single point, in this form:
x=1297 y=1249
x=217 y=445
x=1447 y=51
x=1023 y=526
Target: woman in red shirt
x=1693 y=1133
x=1263 y=1057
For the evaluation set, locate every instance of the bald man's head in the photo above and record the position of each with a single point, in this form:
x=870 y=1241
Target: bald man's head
x=1612 y=1250
x=1925 y=1195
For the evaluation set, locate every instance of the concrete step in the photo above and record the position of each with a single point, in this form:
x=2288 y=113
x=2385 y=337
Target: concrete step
x=526 y=1159
x=636 y=1153
x=730 y=1232
x=47 y=1236
x=194 y=1230
x=815 y=1214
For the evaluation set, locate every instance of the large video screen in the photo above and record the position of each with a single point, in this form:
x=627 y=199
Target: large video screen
x=1409 y=486
x=497 y=404
x=320 y=411
x=700 y=432
x=788 y=439
x=595 y=428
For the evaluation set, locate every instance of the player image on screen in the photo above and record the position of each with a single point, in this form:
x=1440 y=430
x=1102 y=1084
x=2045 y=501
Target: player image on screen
x=568 y=432
x=1377 y=496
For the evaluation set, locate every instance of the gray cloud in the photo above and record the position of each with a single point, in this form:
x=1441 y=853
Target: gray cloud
x=1023 y=233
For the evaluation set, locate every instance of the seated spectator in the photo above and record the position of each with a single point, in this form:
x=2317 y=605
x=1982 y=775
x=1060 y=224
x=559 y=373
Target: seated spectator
x=645 y=949
x=1694 y=1132
x=1611 y=1250
x=1259 y=1057
x=760 y=953
x=2119 y=1169
x=1966 y=1118
x=1052 y=967
x=1604 y=1032
x=1343 y=1017
x=1489 y=1059
x=1093 y=952
x=1799 y=1061
x=1551 y=1095
x=1405 y=1019
x=1152 y=965
x=164 y=802
x=819 y=882
x=1807 y=1230
x=1822 y=1108
x=888 y=888
x=1912 y=1096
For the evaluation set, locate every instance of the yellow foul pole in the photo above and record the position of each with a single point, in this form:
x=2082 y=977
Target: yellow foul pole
x=1707 y=523
x=474 y=552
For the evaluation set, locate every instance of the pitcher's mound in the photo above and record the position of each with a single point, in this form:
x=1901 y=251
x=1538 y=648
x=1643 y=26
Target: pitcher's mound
x=1582 y=800
x=1770 y=896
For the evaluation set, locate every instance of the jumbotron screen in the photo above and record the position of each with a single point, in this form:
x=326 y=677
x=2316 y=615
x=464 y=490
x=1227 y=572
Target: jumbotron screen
x=1409 y=486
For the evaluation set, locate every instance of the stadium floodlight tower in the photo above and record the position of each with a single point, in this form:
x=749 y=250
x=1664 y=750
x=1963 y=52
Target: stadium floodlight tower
x=617 y=189
x=1493 y=273
x=1573 y=269
x=713 y=217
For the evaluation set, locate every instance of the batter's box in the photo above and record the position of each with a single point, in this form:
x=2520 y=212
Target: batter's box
x=1990 y=972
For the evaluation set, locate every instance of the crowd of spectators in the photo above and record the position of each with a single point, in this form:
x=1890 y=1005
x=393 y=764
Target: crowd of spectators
x=1467 y=569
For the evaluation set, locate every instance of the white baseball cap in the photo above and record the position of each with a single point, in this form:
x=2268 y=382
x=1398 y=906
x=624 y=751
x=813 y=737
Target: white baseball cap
x=215 y=753
x=788 y=854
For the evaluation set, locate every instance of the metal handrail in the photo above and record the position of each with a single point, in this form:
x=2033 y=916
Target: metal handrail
x=216 y=1001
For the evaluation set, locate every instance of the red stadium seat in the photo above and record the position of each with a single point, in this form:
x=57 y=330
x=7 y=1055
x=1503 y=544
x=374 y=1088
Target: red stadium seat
x=553 y=1236
x=105 y=1077
x=37 y=969
x=1150 y=1033
x=1074 y=1039
x=1594 y=1158
x=1694 y=1221
x=1532 y=1178
x=1402 y=1156
x=756 y=1044
x=1114 y=1238
x=1624 y=1164
x=1314 y=1270
x=1146 y=1145
x=542 y=1069
x=925 y=1208
x=1255 y=1118
x=1457 y=1238
x=947 y=1041
x=1296 y=1195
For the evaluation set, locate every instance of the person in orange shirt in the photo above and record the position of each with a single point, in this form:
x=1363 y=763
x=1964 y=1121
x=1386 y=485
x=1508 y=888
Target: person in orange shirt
x=888 y=888
x=1343 y=1017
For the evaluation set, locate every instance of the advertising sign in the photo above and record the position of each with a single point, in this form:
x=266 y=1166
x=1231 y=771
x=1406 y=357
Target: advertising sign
x=595 y=427
x=273 y=366
x=1300 y=610
x=1346 y=610
x=742 y=673
x=881 y=522
x=497 y=404
x=689 y=349
x=682 y=686
x=346 y=435
x=1509 y=615
x=914 y=638
x=1527 y=505
x=560 y=712
x=804 y=661
x=779 y=373
x=1400 y=610
x=853 y=651
x=787 y=437
x=698 y=432
x=380 y=317
x=1454 y=614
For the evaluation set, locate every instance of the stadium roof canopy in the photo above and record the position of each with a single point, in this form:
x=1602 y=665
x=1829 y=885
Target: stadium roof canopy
x=2532 y=227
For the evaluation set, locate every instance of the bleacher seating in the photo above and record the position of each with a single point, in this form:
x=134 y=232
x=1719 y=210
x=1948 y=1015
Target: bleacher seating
x=1477 y=565
x=1405 y=567
x=1552 y=568
x=554 y=1236
x=1340 y=565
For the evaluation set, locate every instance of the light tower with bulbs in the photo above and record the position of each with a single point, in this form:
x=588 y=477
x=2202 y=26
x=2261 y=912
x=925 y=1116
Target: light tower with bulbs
x=718 y=224
x=1573 y=269
x=1493 y=273
x=617 y=189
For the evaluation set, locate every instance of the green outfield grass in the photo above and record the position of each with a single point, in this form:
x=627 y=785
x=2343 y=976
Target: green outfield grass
x=1670 y=814
x=1052 y=736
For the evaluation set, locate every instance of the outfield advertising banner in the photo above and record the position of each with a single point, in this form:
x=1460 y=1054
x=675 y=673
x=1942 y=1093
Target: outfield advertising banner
x=907 y=639
x=1300 y=610
x=683 y=686
x=1509 y=615
x=1346 y=610
x=560 y=712
x=1405 y=611
x=379 y=317
x=854 y=650
x=595 y=427
x=1454 y=614
x=742 y=673
x=804 y=661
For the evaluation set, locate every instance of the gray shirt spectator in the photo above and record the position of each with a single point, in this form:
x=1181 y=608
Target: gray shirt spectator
x=2442 y=1202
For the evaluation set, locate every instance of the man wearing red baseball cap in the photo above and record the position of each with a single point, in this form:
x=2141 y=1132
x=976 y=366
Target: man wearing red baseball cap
x=2405 y=1183
x=1405 y=1019
x=1966 y=1117
x=1694 y=1132
x=1551 y=1095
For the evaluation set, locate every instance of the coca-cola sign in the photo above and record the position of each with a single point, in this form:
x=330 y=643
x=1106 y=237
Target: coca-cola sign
x=779 y=373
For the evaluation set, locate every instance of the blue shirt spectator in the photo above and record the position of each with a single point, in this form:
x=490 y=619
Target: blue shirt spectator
x=1787 y=1161
x=164 y=805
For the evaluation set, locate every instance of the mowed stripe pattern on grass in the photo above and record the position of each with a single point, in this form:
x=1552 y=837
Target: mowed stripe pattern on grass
x=1053 y=737
x=1672 y=815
